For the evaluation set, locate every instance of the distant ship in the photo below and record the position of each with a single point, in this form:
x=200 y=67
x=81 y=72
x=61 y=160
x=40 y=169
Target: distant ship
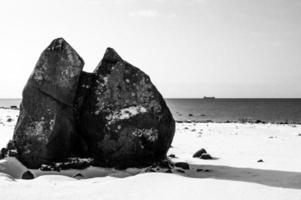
x=208 y=97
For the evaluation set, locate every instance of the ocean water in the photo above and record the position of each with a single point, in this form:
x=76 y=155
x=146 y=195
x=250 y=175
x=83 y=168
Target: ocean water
x=222 y=110
x=6 y=103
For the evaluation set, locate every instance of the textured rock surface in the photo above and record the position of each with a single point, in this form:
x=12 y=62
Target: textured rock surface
x=125 y=120
x=45 y=128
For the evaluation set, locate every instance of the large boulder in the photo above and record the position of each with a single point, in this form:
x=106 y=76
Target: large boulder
x=45 y=130
x=124 y=119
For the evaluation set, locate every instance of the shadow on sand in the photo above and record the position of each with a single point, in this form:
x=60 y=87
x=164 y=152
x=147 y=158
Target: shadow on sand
x=283 y=179
x=12 y=168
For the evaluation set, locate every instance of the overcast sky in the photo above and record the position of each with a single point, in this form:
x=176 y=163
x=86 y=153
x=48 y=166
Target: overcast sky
x=190 y=48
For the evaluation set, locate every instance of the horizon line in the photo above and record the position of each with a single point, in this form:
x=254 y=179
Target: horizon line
x=10 y=98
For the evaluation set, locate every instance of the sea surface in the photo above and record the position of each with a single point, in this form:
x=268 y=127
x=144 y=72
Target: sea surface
x=223 y=110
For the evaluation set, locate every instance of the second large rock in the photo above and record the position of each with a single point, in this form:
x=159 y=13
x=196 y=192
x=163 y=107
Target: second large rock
x=124 y=119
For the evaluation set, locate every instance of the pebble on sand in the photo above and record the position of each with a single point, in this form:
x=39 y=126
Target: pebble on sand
x=27 y=175
x=182 y=165
x=199 y=153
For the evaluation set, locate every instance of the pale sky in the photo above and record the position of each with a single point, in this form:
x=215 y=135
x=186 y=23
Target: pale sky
x=190 y=48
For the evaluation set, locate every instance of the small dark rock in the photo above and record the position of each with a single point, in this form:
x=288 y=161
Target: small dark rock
x=207 y=170
x=182 y=165
x=206 y=156
x=163 y=164
x=3 y=153
x=258 y=121
x=57 y=168
x=299 y=134
x=9 y=120
x=27 y=175
x=14 y=107
x=70 y=163
x=166 y=163
x=150 y=170
x=179 y=170
x=190 y=115
x=11 y=145
x=172 y=156
x=199 y=153
x=199 y=170
x=12 y=153
x=46 y=168
x=79 y=175
x=260 y=160
x=207 y=121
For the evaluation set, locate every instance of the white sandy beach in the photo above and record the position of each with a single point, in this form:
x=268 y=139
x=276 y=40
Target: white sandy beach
x=235 y=173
